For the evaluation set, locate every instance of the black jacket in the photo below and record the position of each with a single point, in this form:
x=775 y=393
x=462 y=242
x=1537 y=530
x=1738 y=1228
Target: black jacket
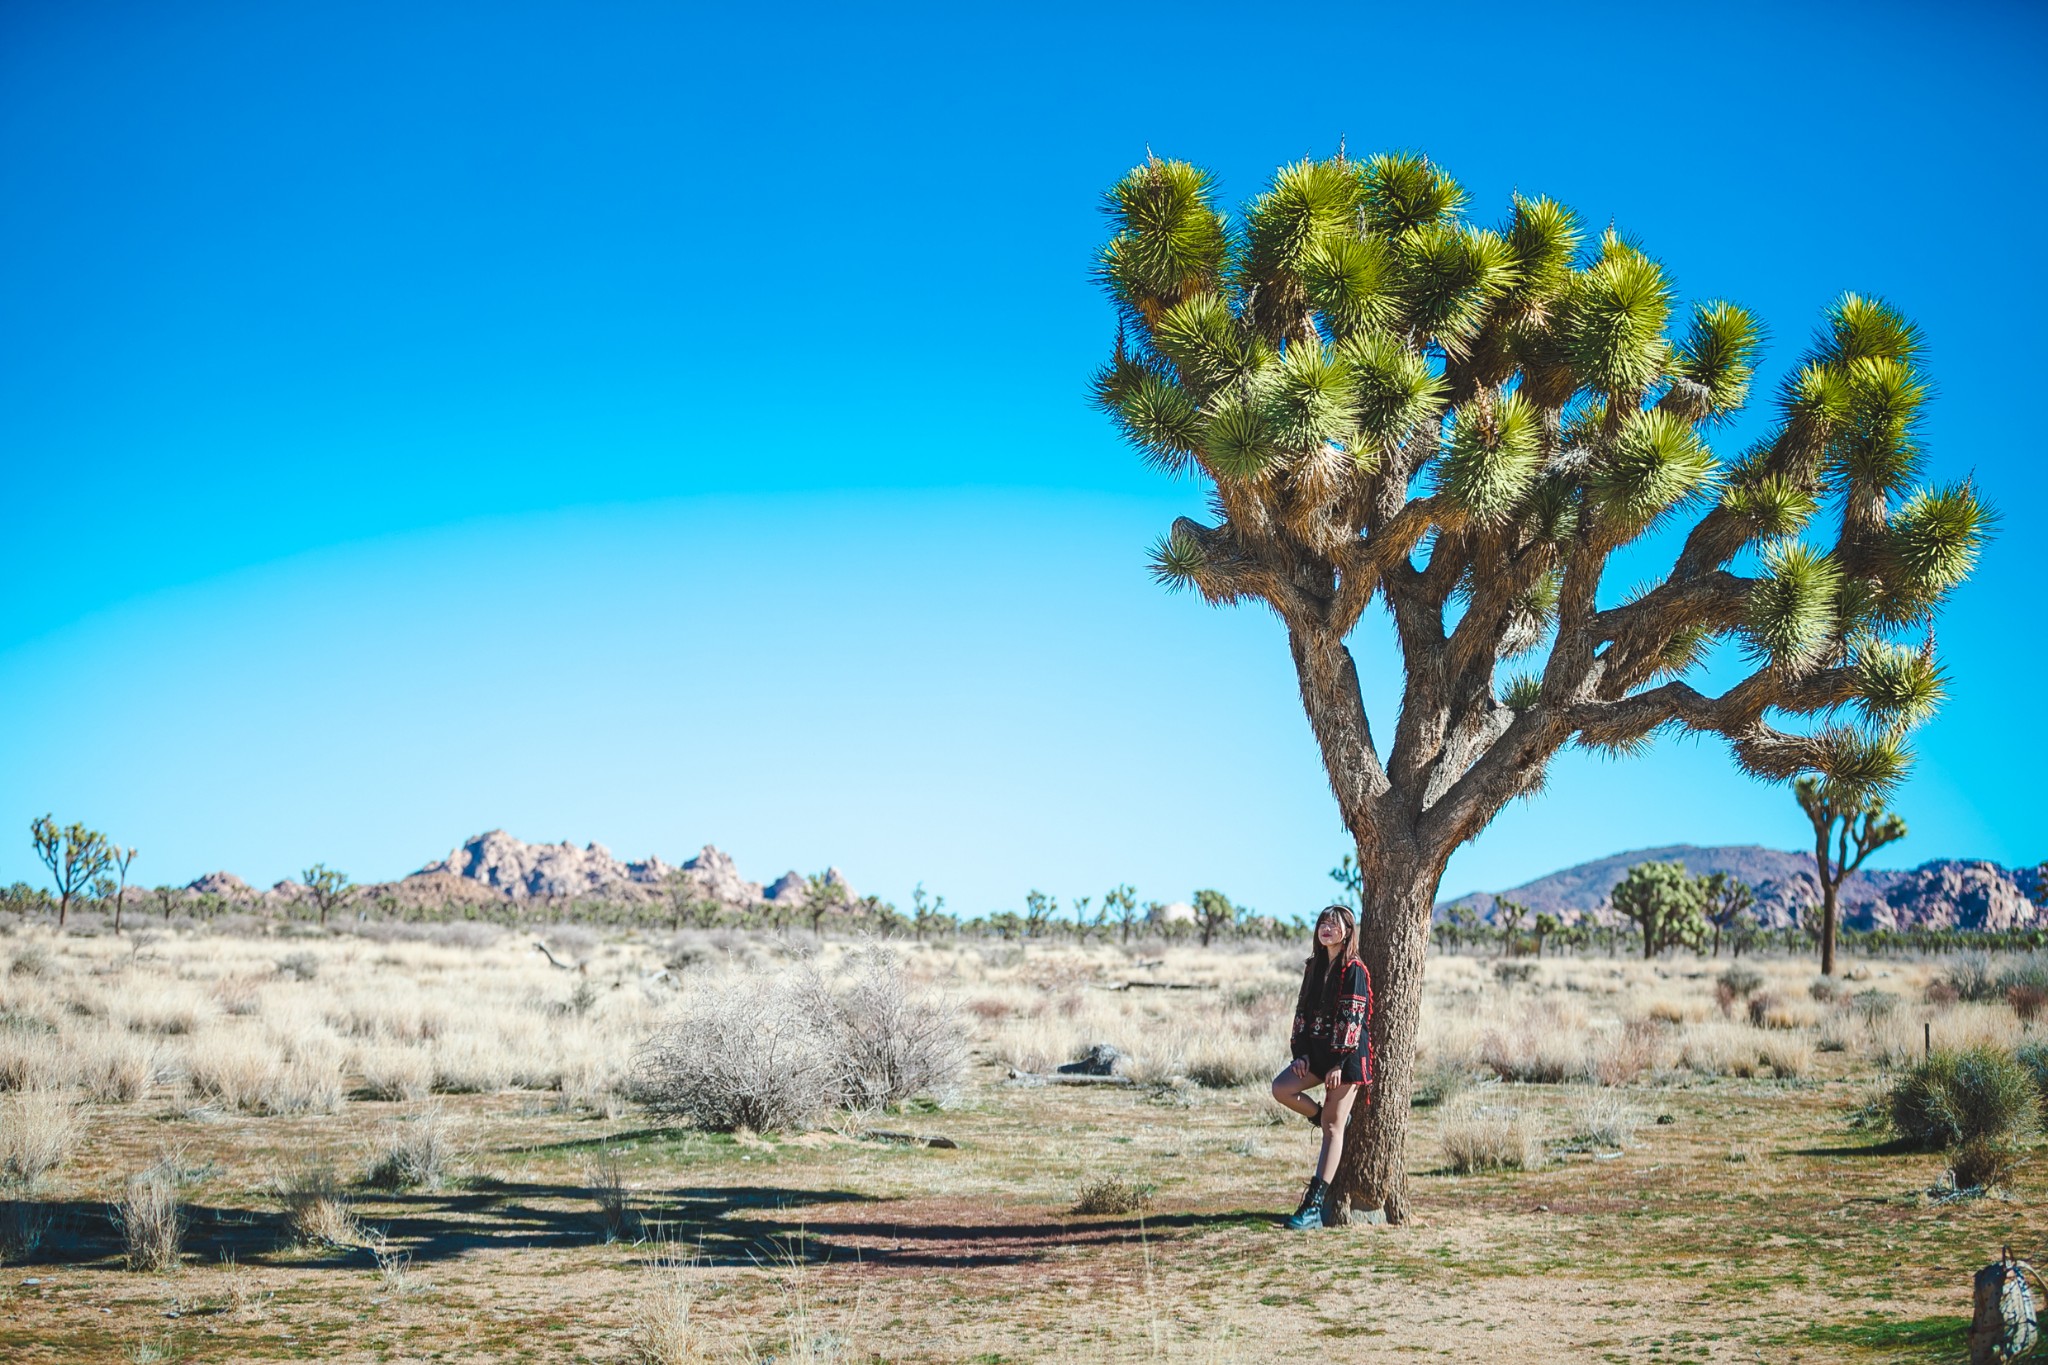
x=1334 y=1023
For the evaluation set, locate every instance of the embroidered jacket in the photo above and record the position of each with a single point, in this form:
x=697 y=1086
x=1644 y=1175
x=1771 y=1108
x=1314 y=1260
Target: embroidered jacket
x=1337 y=1024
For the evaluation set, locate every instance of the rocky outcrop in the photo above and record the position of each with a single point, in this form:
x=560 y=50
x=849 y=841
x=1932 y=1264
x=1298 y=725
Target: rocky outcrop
x=1944 y=894
x=711 y=876
x=524 y=871
x=794 y=889
x=221 y=884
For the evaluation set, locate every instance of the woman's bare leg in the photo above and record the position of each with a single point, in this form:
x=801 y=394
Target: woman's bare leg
x=1287 y=1088
x=1336 y=1113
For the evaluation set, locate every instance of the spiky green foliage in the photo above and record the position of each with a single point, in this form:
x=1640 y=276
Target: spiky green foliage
x=1394 y=403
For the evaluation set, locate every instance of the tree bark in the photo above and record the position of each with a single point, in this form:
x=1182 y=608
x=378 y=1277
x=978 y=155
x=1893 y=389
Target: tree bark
x=1827 y=903
x=1372 y=1176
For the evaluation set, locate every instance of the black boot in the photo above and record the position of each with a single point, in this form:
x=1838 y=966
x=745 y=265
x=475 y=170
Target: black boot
x=1315 y=1120
x=1310 y=1214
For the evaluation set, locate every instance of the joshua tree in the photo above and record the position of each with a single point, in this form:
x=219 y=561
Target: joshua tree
x=823 y=893
x=1508 y=915
x=1848 y=826
x=1123 y=899
x=926 y=915
x=1727 y=899
x=327 y=887
x=1546 y=925
x=120 y=858
x=1039 y=909
x=1215 y=913
x=1389 y=403
x=76 y=856
x=1665 y=904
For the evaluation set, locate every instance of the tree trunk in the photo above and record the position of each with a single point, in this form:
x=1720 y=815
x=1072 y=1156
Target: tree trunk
x=1372 y=1177
x=1827 y=927
x=63 y=907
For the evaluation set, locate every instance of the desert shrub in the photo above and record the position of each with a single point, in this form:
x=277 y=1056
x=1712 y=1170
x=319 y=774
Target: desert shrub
x=1941 y=994
x=989 y=1009
x=1111 y=1194
x=1601 y=1118
x=1768 y=1009
x=1441 y=1081
x=2034 y=1058
x=1873 y=1005
x=35 y=960
x=2027 y=971
x=1478 y=1136
x=417 y=1152
x=1740 y=982
x=1619 y=1058
x=315 y=1208
x=1788 y=1055
x=606 y=1177
x=112 y=1069
x=1718 y=1050
x=29 y=1060
x=152 y=1221
x=300 y=966
x=1514 y=973
x=894 y=1040
x=38 y=1131
x=1981 y=1163
x=1544 y=1046
x=1824 y=990
x=1959 y=1095
x=23 y=1224
x=395 y=1072
x=744 y=1053
x=1224 y=1061
x=2026 y=1000
x=1973 y=976
x=666 y=1330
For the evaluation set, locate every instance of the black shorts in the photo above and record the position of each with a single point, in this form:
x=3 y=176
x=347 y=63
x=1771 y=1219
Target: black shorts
x=1320 y=1063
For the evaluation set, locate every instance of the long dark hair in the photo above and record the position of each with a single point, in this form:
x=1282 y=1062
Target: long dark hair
x=1323 y=970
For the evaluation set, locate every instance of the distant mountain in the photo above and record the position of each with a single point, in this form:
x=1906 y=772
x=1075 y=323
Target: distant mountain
x=495 y=866
x=1944 y=894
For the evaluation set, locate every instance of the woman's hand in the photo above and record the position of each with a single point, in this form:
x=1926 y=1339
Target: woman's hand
x=1300 y=1067
x=1334 y=1079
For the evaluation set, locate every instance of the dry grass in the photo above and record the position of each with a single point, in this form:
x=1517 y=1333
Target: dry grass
x=1111 y=1194
x=201 y=1041
x=39 y=1131
x=1480 y=1132
x=152 y=1222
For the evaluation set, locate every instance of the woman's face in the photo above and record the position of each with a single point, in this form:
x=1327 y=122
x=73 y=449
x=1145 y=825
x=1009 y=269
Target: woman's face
x=1330 y=931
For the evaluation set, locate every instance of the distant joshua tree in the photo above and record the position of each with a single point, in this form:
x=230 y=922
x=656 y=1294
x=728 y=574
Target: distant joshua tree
x=1508 y=916
x=1546 y=926
x=1848 y=826
x=1215 y=914
x=120 y=857
x=327 y=887
x=1123 y=899
x=1726 y=901
x=76 y=856
x=1666 y=904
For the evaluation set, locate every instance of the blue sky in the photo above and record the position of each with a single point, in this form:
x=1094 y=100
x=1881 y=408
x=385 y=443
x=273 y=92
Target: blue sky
x=665 y=426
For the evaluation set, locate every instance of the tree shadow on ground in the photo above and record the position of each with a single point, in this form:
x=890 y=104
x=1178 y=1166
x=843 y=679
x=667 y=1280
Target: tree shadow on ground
x=719 y=1225
x=1894 y=1147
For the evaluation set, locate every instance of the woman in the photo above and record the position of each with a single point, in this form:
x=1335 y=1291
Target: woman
x=1331 y=1046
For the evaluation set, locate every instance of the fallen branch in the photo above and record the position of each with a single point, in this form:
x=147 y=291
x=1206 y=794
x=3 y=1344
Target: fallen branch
x=1156 y=986
x=908 y=1139
x=1064 y=1078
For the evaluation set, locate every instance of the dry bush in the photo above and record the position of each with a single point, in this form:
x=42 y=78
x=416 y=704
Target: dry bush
x=395 y=1072
x=30 y=1059
x=1481 y=1136
x=606 y=1177
x=315 y=1208
x=470 y=1064
x=2026 y=999
x=112 y=1069
x=1601 y=1118
x=38 y=1131
x=743 y=1053
x=23 y=1224
x=152 y=1221
x=1788 y=1055
x=1941 y=994
x=1719 y=1050
x=1440 y=1080
x=666 y=1329
x=1982 y=1163
x=417 y=1152
x=1111 y=1194
x=895 y=1039
x=1960 y=1096
x=1824 y=990
x=34 y=960
x=248 y=1074
x=1546 y=1045
x=1223 y=1061
x=1621 y=1057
